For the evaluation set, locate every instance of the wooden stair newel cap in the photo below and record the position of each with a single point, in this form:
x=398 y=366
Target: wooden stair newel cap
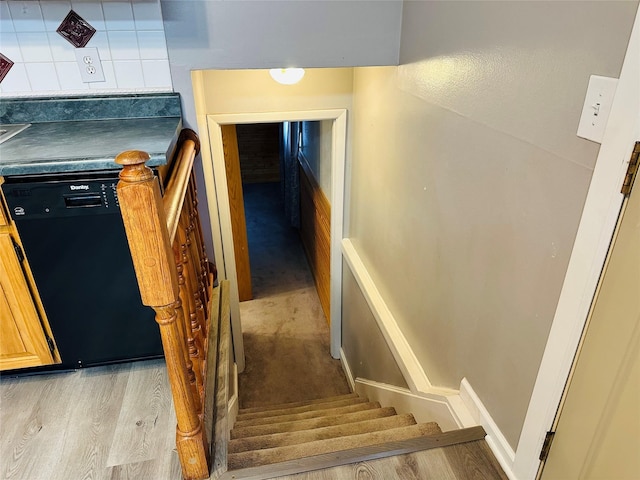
x=135 y=168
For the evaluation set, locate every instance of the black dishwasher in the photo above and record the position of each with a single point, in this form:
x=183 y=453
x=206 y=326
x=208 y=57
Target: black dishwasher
x=74 y=241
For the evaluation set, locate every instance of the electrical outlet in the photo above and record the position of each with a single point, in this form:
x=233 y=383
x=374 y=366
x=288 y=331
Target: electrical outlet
x=89 y=64
x=597 y=105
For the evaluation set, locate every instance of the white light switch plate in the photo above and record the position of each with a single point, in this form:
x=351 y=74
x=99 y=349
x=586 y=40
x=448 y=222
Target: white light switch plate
x=89 y=64
x=597 y=106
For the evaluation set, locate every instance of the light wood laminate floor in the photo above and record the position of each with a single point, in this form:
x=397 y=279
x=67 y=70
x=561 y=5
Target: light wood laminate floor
x=113 y=422
x=468 y=461
x=117 y=423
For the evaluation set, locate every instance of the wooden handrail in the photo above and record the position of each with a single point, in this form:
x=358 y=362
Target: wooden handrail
x=175 y=279
x=179 y=180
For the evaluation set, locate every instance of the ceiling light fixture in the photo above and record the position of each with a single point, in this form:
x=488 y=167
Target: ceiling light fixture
x=287 y=76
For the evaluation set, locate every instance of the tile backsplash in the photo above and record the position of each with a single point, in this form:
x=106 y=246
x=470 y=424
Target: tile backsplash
x=129 y=38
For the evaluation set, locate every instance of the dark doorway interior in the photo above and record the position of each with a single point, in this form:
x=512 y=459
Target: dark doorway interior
x=285 y=332
x=259 y=148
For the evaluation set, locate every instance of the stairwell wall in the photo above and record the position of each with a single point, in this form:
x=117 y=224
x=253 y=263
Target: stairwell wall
x=467 y=182
x=364 y=346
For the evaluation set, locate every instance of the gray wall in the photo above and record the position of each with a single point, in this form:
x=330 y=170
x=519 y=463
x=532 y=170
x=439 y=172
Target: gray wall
x=217 y=34
x=468 y=181
x=363 y=344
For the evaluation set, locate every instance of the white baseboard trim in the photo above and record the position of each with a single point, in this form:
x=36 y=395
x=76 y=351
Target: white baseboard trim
x=423 y=408
x=448 y=410
x=503 y=452
x=347 y=370
x=463 y=416
x=404 y=356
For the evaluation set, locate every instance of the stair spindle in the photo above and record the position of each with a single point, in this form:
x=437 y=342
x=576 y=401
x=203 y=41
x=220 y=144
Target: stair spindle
x=206 y=266
x=198 y=316
x=191 y=356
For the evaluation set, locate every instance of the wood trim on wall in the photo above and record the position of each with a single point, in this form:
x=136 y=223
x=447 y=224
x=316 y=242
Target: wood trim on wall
x=236 y=204
x=218 y=195
x=315 y=232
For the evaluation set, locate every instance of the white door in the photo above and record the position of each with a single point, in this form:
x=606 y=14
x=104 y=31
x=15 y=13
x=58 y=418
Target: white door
x=598 y=431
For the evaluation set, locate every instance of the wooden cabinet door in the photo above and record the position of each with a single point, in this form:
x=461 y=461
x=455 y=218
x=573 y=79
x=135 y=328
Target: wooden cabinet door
x=22 y=339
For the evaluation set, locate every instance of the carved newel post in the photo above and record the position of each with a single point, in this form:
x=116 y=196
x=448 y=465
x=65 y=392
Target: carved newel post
x=153 y=258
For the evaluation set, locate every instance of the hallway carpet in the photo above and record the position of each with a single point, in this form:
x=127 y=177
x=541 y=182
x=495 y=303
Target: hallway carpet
x=286 y=335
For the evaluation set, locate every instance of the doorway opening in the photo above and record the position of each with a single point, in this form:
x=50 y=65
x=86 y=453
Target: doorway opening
x=219 y=205
x=262 y=176
x=283 y=170
x=280 y=218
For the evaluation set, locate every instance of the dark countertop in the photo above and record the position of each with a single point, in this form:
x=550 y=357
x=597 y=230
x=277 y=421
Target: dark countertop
x=63 y=138
x=56 y=147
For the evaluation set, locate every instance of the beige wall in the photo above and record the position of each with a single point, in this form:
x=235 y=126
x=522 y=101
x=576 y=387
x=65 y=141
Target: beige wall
x=250 y=91
x=363 y=344
x=254 y=91
x=467 y=181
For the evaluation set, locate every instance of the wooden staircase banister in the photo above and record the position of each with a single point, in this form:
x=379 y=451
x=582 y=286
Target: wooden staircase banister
x=176 y=279
x=179 y=180
x=145 y=223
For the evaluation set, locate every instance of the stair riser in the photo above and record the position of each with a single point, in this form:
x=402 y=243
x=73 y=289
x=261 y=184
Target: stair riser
x=312 y=423
x=281 y=454
x=306 y=415
x=301 y=409
x=295 y=438
x=281 y=406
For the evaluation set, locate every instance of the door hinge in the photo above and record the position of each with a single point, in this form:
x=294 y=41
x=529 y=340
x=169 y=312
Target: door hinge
x=632 y=170
x=546 y=446
x=18 y=251
x=51 y=343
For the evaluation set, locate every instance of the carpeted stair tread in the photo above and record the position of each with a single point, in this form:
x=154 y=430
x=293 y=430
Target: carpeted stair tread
x=301 y=409
x=268 y=456
x=305 y=415
x=294 y=438
x=295 y=404
x=318 y=422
